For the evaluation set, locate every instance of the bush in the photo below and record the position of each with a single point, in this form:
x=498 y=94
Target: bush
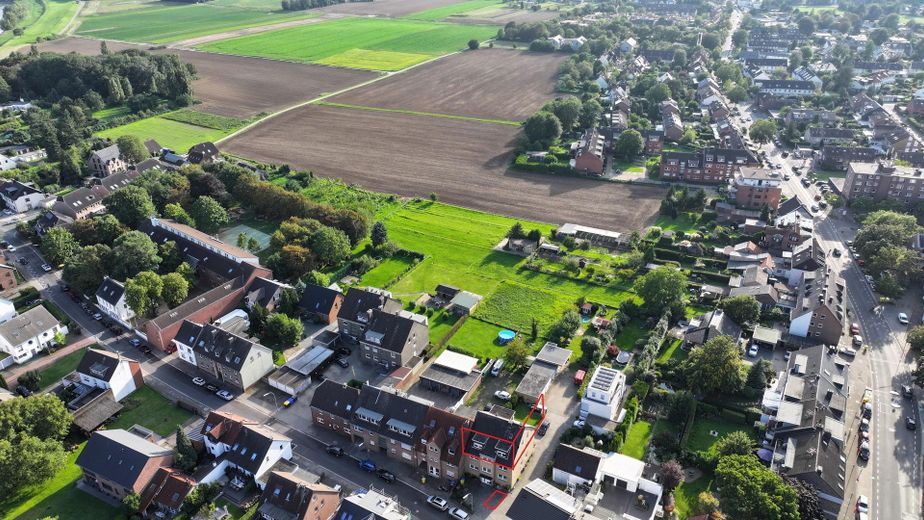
x=641 y=388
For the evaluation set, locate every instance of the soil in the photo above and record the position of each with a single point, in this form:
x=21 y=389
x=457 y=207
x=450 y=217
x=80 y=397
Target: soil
x=464 y=162
x=488 y=84
x=236 y=86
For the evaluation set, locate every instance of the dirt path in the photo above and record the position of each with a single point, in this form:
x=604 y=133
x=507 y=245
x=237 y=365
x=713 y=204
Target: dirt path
x=192 y=42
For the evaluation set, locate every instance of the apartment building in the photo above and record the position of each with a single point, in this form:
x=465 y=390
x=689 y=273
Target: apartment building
x=883 y=180
x=356 y=308
x=756 y=188
x=497 y=449
x=711 y=166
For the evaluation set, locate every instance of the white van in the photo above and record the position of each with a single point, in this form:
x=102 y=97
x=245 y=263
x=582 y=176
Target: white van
x=498 y=365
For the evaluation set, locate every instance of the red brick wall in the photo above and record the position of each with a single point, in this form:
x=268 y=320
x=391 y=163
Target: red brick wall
x=161 y=338
x=588 y=163
x=7 y=279
x=135 y=368
x=150 y=469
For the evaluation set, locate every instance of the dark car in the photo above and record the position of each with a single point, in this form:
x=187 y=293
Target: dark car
x=336 y=451
x=544 y=427
x=146 y=351
x=386 y=475
x=211 y=388
x=910 y=423
x=344 y=351
x=367 y=465
x=342 y=362
x=907 y=392
x=23 y=391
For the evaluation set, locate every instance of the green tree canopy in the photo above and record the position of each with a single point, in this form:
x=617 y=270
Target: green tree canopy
x=31 y=431
x=763 y=131
x=742 y=309
x=59 y=245
x=175 y=289
x=176 y=212
x=330 y=246
x=101 y=229
x=661 y=289
x=281 y=331
x=131 y=205
x=143 y=291
x=379 y=234
x=657 y=93
x=132 y=149
x=208 y=214
x=734 y=443
x=629 y=145
x=85 y=269
x=715 y=366
x=753 y=491
x=542 y=127
x=132 y=253
x=567 y=109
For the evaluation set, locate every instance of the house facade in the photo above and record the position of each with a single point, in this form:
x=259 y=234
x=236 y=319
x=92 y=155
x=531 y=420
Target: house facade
x=355 y=311
x=880 y=181
x=244 y=446
x=590 y=156
x=222 y=355
x=287 y=496
x=391 y=340
x=27 y=334
x=20 y=197
x=755 y=188
x=320 y=304
x=604 y=393
x=106 y=161
x=110 y=298
x=108 y=370
x=497 y=450
x=118 y=463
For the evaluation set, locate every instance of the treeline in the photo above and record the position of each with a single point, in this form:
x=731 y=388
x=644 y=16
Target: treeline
x=14 y=14
x=301 y=5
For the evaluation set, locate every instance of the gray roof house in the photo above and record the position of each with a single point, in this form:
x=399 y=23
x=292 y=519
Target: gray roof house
x=711 y=325
x=119 y=463
x=222 y=355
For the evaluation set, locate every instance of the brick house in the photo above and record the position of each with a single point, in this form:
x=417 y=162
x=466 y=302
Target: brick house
x=838 y=157
x=289 y=497
x=711 y=166
x=164 y=495
x=881 y=181
x=754 y=188
x=654 y=141
x=589 y=156
x=388 y=423
x=354 y=314
x=819 y=319
x=118 y=463
x=332 y=406
x=106 y=161
x=497 y=449
x=440 y=443
x=222 y=355
x=391 y=340
x=321 y=304
x=670 y=120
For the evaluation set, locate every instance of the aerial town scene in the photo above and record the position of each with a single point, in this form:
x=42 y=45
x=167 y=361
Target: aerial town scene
x=461 y=259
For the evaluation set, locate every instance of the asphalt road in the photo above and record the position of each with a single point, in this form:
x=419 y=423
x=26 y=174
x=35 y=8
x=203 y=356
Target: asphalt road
x=892 y=479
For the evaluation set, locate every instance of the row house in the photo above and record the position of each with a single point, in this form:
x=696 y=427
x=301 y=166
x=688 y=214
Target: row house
x=497 y=449
x=838 y=157
x=819 y=313
x=712 y=165
x=818 y=136
x=880 y=181
x=916 y=105
x=222 y=355
x=353 y=317
x=671 y=123
x=806 y=73
x=811 y=116
x=866 y=67
x=589 y=155
x=768 y=64
x=787 y=87
x=655 y=55
x=654 y=141
x=290 y=496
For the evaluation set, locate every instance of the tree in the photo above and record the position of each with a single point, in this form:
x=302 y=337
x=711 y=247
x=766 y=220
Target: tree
x=186 y=455
x=661 y=288
x=742 y=309
x=565 y=327
x=132 y=503
x=763 y=131
x=516 y=231
x=916 y=338
x=737 y=94
x=918 y=373
x=716 y=366
x=473 y=44
x=177 y=213
x=85 y=269
x=143 y=291
x=710 y=41
x=739 y=37
x=734 y=443
x=131 y=205
x=757 y=374
x=379 y=234
x=629 y=145
x=175 y=289
x=542 y=127
x=806 y=25
x=132 y=149
x=751 y=490
x=208 y=214
x=60 y=339
x=101 y=229
x=688 y=137
x=281 y=331
x=516 y=353
x=534 y=329
x=680 y=58
x=132 y=253
x=706 y=504
x=317 y=278
x=591 y=112
x=657 y=93
x=879 y=36
x=591 y=347
x=891 y=21
x=288 y=302
x=809 y=501
x=59 y=245
x=31 y=431
x=671 y=475
x=330 y=246
x=566 y=109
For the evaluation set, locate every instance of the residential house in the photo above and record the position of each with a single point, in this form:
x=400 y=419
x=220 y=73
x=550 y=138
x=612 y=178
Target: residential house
x=321 y=304
x=603 y=397
x=371 y=504
x=880 y=181
x=550 y=361
x=287 y=496
x=654 y=141
x=497 y=449
x=819 y=311
x=628 y=45
x=27 y=334
x=786 y=87
x=44 y=222
x=839 y=157
x=110 y=371
x=110 y=298
x=653 y=55
x=712 y=165
x=756 y=188
x=574 y=44
x=7 y=310
x=104 y=186
x=106 y=161
x=539 y=499
x=332 y=406
x=77 y=205
x=203 y=153
x=118 y=463
x=671 y=123
x=576 y=467
x=916 y=105
x=20 y=197
x=453 y=373
x=711 y=325
x=619 y=122
x=265 y=292
x=223 y=356
x=866 y=67
x=620 y=492
x=818 y=136
x=805 y=73
x=154 y=148
x=440 y=444
x=392 y=340
x=164 y=495
x=353 y=317
x=768 y=64
x=245 y=448
x=589 y=155
x=387 y=422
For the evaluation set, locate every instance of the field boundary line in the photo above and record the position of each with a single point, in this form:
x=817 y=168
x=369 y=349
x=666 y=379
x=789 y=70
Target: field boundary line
x=416 y=113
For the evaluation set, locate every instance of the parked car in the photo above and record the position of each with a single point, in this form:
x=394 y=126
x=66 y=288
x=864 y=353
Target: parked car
x=543 y=428
x=503 y=395
x=344 y=351
x=854 y=328
x=46 y=268
x=336 y=451
x=64 y=287
x=385 y=475
x=907 y=392
x=226 y=395
x=367 y=465
x=342 y=362
x=864 y=425
x=849 y=352
x=198 y=381
x=211 y=388
x=753 y=351
x=857 y=340
x=135 y=342
x=836 y=252
x=579 y=423
x=11 y=248
x=579 y=377
x=498 y=365
x=863 y=451
x=459 y=513
x=903 y=318
x=289 y=401
x=439 y=503
x=862 y=504
x=97 y=316
x=910 y=423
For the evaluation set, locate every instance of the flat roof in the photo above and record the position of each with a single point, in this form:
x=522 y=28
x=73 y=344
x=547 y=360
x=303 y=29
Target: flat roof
x=456 y=361
x=451 y=378
x=766 y=335
x=569 y=229
x=309 y=360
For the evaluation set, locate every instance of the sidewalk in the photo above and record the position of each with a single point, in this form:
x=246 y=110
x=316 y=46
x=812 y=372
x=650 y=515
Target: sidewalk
x=13 y=373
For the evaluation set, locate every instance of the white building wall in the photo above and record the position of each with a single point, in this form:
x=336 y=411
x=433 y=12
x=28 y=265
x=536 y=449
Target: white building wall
x=800 y=326
x=564 y=478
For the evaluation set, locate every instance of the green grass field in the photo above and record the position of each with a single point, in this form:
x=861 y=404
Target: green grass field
x=52 y=373
x=204 y=119
x=151 y=410
x=687 y=493
x=700 y=437
x=387 y=269
x=170 y=134
x=477 y=338
x=460 y=9
x=159 y=24
x=54 y=17
x=683 y=223
x=515 y=305
x=34 y=9
x=672 y=351
x=361 y=43
x=628 y=335
x=112 y=112
x=637 y=440
x=339 y=194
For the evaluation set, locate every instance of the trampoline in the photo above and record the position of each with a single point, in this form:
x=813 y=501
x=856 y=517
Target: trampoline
x=505 y=336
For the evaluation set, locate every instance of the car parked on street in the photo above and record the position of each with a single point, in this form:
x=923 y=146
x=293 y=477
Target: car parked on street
x=907 y=392
x=862 y=504
x=543 y=428
x=198 y=381
x=226 y=395
x=910 y=423
x=439 y=503
x=857 y=340
x=336 y=451
x=367 y=465
x=46 y=268
x=903 y=318
x=135 y=342
x=854 y=328
x=211 y=388
x=459 y=513
x=385 y=475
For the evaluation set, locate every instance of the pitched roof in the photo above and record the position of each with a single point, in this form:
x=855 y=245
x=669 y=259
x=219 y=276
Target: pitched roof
x=443 y=429
x=335 y=398
x=289 y=497
x=116 y=181
x=202 y=151
x=714 y=323
x=397 y=417
x=495 y=438
x=15 y=189
x=27 y=325
x=110 y=291
x=76 y=201
x=581 y=463
x=223 y=426
x=99 y=364
x=319 y=299
x=263 y=290
x=219 y=345
x=389 y=331
x=251 y=446
x=153 y=146
x=119 y=456
x=168 y=489
x=109 y=153
x=540 y=500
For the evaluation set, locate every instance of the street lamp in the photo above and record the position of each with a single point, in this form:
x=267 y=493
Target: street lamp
x=275 y=403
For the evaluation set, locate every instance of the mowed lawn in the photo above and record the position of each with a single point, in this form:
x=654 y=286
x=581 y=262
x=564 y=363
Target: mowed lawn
x=438 y=13
x=360 y=43
x=701 y=438
x=175 y=135
x=179 y=22
x=637 y=440
x=55 y=15
x=151 y=410
x=515 y=305
x=63 y=366
x=478 y=338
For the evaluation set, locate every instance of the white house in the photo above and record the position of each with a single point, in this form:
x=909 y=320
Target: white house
x=576 y=467
x=558 y=41
x=222 y=355
x=6 y=163
x=110 y=298
x=243 y=445
x=108 y=370
x=27 y=334
x=604 y=394
x=20 y=197
x=7 y=310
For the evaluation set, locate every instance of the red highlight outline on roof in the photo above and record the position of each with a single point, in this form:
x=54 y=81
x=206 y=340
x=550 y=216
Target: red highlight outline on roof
x=540 y=404
x=487 y=502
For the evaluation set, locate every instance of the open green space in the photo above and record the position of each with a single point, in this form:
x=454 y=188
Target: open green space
x=170 y=23
x=337 y=193
x=63 y=366
x=685 y=496
x=824 y=175
x=55 y=15
x=362 y=43
x=460 y=9
x=684 y=223
x=440 y=324
x=34 y=9
x=628 y=335
x=386 y=271
x=515 y=305
x=170 y=134
x=672 y=351
x=522 y=412
x=109 y=113
x=204 y=119
x=701 y=438
x=151 y=410
x=637 y=440
x=477 y=338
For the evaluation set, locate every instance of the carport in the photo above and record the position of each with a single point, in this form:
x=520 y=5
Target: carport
x=766 y=337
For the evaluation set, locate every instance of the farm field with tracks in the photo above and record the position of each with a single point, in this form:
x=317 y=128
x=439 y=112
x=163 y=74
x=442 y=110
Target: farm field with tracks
x=240 y=87
x=361 y=43
x=488 y=83
x=464 y=162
